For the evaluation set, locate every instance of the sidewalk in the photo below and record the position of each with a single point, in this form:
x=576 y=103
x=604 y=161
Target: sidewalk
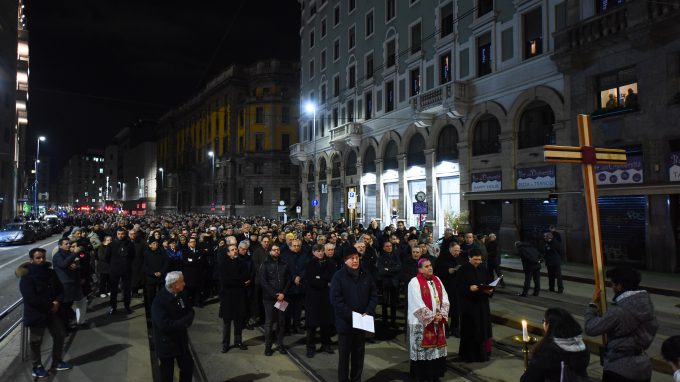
x=112 y=349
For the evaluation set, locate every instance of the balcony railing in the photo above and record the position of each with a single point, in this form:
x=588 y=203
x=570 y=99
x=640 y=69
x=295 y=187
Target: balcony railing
x=452 y=95
x=347 y=134
x=297 y=153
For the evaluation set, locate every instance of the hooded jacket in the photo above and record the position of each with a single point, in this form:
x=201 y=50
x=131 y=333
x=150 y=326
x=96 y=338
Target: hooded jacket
x=546 y=362
x=630 y=326
x=39 y=288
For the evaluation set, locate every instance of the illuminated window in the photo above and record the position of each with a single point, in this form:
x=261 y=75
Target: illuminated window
x=618 y=90
x=533 y=33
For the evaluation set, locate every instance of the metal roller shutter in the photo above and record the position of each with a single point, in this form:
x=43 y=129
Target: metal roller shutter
x=536 y=217
x=487 y=216
x=623 y=220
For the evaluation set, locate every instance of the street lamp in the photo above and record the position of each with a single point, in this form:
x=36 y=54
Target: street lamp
x=310 y=107
x=161 y=170
x=37 y=160
x=212 y=186
x=161 y=189
x=139 y=194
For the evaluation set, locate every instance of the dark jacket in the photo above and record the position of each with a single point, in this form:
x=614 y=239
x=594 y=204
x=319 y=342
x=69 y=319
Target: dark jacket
x=352 y=293
x=155 y=261
x=120 y=254
x=492 y=252
x=317 y=277
x=69 y=278
x=39 y=286
x=233 y=274
x=296 y=265
x=389 y=268
x=171 y=316
x=531 y=258
x=192 y=267
x=546 y=362
x=441 y=270
x=630 y=326
x=274 y=278
x=369 y=262
x=552 y=253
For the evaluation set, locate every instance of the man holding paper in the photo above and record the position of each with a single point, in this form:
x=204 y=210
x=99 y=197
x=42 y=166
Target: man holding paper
x=353 y=291
x=475 y=314
x=275 y=281
x=428 y=309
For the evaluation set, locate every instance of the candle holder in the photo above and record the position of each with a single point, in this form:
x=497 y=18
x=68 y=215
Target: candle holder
x=525 y=348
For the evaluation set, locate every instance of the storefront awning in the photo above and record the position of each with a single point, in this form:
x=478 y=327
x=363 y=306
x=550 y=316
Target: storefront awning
x=509 y=194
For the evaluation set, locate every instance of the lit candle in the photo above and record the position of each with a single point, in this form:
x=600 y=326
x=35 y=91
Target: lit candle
x=525 y=332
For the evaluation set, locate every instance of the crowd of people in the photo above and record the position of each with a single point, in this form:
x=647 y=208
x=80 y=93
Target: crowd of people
x=267 y=274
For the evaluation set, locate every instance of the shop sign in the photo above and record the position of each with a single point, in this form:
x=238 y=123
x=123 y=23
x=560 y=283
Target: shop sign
x=486 y=181
x=536 y=177
x=674 y=167
x=630 y=173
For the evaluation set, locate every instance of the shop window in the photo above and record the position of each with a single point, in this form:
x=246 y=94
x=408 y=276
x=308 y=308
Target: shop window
x=446 y=20
x=351 y=165
x=416 y=151
x=486 y=136
x=390 y=158
x=258 y=196
x=617 y=91
x=447 y=144
x=536 y=126
x=484 y=55
x=368 y=161
x=533 y=33
x=445 y=68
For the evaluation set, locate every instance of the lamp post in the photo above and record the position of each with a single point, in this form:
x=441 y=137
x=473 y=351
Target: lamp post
x=211 y=154
x=106 y=197
x=157 y=193
x=37 y=160
x=139 y=194
x=310 y=107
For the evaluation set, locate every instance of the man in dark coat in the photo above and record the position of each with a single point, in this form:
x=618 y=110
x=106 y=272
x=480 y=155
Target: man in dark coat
x=275 y=281
x=245 y=257
x=493 y=258
x=171 y=315
x=42 y=294
x=192 y=269
x=233 y=276
x=352 y=290
x=475 y=315
x=119 y=254
x=156 y=266
x=552 y=253
x=447 y=267
x=296 y=261
x=318 y=309
x=260 y=253
x=531 y=264
x=137 y=281
x=389 y=269
x=65 y=264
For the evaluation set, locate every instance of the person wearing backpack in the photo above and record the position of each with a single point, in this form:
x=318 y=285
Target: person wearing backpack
x=561 y=355
x=531 y=264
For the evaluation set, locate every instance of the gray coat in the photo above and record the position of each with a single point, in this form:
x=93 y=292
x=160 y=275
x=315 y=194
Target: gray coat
x=630 y=326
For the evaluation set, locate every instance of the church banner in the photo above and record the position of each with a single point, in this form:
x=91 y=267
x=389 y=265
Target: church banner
x=630 y=173
x=536 y=177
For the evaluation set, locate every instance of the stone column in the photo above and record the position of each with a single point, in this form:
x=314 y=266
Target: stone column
x=360 y=192
x=379 y=192
x=430 y=181
x=317 y=209
x=329 y=190
x=401 y=159
x=304 y=199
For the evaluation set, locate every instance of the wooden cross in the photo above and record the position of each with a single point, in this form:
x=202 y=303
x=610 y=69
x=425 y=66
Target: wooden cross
x=588 y=156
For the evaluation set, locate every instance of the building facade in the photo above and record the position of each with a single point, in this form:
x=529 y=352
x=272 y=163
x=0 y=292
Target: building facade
x=449 y=98
x=226 y=150
x=13 y=110
x=621 y=62
x=81 y=183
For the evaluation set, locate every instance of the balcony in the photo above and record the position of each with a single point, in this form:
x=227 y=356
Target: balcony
x=297 y=153
x=451 y=96
x=348 y=134
x=638 y=22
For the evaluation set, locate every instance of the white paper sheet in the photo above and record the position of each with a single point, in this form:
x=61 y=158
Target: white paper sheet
x=363 y=322
x=281 y=305
x=496 y=281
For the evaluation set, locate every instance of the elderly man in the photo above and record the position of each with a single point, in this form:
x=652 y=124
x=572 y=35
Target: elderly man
x=352 y=290
x=171 y=316
x=234 y=277
x=427 y=312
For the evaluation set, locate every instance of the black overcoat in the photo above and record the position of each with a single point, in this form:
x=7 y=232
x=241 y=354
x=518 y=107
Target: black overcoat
x=317 y=276
x=475 y=315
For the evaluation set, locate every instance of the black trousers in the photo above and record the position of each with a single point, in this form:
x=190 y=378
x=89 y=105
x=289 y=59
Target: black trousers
x=608 y=376
x=256 y=308
x=104 y=279
x=294 y=310
x=555 y=272
x=494 y=267
x=226 y=331
x=532 y=274
x=151 y=291
x=326 y=331
x=351 y=349
x=390 y=299
x=186 y=367
x=36 y=333
x=125 y=281
x=272 y=315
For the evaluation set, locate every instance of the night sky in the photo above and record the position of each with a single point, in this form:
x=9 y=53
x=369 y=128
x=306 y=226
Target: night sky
x=98 y=66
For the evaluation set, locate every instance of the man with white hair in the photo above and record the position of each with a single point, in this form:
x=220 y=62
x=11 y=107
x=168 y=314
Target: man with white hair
x=171 y=315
